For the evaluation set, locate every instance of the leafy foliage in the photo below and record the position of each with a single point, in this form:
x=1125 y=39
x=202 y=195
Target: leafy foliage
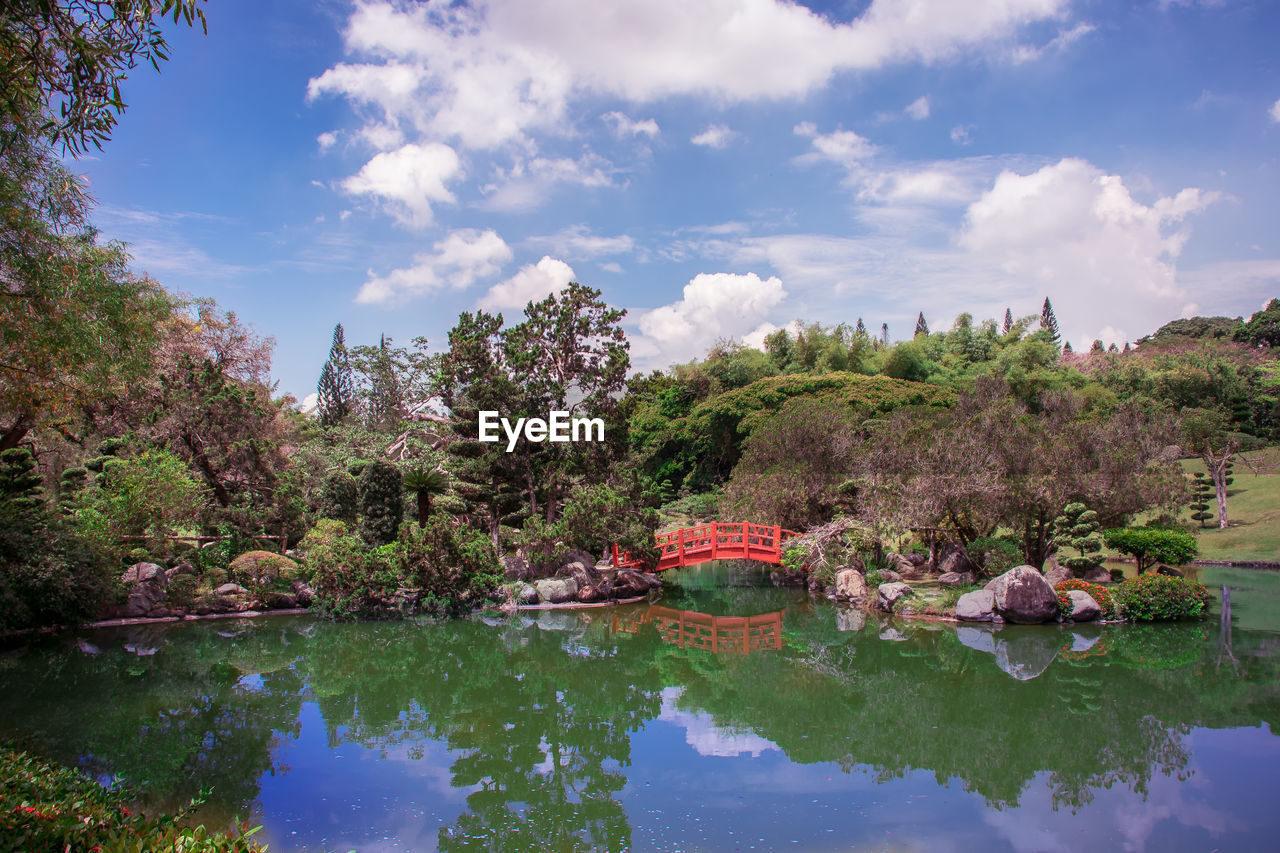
x=1263 y=328
x=335 y=393
x=1077 y=528
x=151 y=494
x=381 y=503
x=1151 y=545
x=1097 y=592
x=339 y=498
x=1152 y=597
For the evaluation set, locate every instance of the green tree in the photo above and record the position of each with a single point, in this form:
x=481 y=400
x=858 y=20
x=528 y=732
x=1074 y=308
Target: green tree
x=381 y=503
x=424 y=483
x=151 y=494
x=1049 y=323
x=1151 y=545
x=1200 y=489
x=1205 y=433
x=339 y=498
x=1008 y=322
x=335 y=393
x=922 y=328
x=1263 y=328
x=64 y=61
x=1077 y=528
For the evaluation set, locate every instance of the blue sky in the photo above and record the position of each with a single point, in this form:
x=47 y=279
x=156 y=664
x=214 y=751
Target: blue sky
x=718 y=168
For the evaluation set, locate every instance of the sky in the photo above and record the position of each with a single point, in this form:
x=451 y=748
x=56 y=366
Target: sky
x=718 y=168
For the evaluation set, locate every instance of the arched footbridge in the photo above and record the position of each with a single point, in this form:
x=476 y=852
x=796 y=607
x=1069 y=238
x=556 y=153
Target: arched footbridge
x=716 y=540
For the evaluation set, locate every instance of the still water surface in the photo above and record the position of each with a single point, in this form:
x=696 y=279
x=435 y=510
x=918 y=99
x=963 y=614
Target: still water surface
x=730 y=716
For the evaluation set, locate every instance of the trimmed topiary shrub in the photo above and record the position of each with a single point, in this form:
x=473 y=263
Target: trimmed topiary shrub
x=262 y=568
x=1151 y=597
x=381 y=503
x=1097 y=592
x=340 y=498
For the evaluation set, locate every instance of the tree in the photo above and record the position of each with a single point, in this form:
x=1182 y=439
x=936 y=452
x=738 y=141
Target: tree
x=425 y=482
x=381 y=504
x=153 y=493
x=860 y=328
x=339 y=498
x=1205 y=433
x=336 y=390
x=1049 y=322
x=1263 y=328
x=1201 y=486
x=1152 y=545
x=1008 y=322
x=922 y=328
x=64 y=60
x=884 y=334
x=1077 y=528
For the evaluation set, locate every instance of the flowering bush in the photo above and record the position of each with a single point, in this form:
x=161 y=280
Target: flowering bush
x=1152 y=597
x=46 y=807
x=1097 y=592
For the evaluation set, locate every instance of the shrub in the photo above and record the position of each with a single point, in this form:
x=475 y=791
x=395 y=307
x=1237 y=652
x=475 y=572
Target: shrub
x=1077 y=529
x=1150 y=545
x=381 y=503
x=339 y=497
x=339 y=568
x=47 y=807
x=261 y=568
x=874 y=578
x=1097 y=592
x=453 y=568
x=995 y=554
x=1152 y=597
x=181 y=591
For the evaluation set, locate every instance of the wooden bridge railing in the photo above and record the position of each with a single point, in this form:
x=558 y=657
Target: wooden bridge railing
x=716 y=540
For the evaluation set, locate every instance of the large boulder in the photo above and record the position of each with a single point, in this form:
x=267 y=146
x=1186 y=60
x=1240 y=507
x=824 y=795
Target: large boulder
x=954 y=563
x=890 y=576
x=1024 y=597
x=590 y=594
x=890 y=594
x=180 y=569
x=1098 y=575
x=977 y=606
x=281 y=601
x=147 y=583
x=525 y=593
x=230 y=589
x=954 y=579
x=515 y=568
x=303 y=593
x=1083 y=607
x=1056 y=574
x=584 y=574
x=557 y=590
x=1168 y=571
x=900 y=562
x=144 y=573
x=629 y=584
x=849 y=585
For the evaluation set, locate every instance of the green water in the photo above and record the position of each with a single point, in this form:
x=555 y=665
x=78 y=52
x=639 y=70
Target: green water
x=594 y=729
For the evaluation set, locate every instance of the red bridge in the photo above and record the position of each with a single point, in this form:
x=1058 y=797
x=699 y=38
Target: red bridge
x=718 y=540
x=719 y=634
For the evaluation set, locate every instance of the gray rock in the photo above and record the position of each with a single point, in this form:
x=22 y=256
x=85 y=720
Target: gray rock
x=229 y=589
x=1098 y=575
x=850 y=618
x=144 y=573
x=899 y=562
x=584 y=574
x=590 y=594
x=629 y=584
x=515 y=567
x=1026 y=653
x=281 y=601
x=1083 y=607
x=978 y=606
x=180 y=569
x=954 y=562
x=850 y=585
x=1056 y=574
x=526 y=594
x=890 y=576
x=303 y=593
x=916 y=560
x=890 y=594
x=1168 y=571
x=557 y=590
x=954 y=579
x=1024 y=597
x=978 y=639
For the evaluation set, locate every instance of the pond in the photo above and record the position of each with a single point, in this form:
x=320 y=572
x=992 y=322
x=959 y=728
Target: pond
x=731 y=715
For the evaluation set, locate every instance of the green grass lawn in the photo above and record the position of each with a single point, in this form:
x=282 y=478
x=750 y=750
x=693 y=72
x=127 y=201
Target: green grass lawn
x=1253 y=508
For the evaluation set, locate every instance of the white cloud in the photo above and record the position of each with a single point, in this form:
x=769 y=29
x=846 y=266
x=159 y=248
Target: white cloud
x=841 y=146
x=532 y=283
x=962 y=134
x=715 y=305
x=327 y=140
x=409 y=180
x=577 y=242
x=1059 y=43
x=528 y=183
x=919 y=108
x=485 y=73
x=1275 y=111
x=715 y=136
x=459 y=260
x=1075 y=233
x=624 y=126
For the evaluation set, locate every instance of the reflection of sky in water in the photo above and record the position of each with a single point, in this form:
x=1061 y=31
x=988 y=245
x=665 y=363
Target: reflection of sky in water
x=705 y=736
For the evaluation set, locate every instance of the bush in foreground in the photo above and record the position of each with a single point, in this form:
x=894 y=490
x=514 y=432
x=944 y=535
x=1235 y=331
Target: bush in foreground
x=47 y=807
x=1152 y=597
x=1097 y=592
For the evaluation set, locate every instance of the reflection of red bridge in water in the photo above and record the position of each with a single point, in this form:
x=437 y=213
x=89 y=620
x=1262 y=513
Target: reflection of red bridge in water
x=690 y=629
x=688 y=546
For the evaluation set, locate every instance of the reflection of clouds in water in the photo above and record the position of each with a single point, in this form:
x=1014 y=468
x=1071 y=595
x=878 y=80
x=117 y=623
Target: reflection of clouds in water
x=705 y=736
x=1115 y=814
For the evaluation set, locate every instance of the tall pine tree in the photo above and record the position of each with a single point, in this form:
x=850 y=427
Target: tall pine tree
x=861 y=329
x=1008 y=322
x=1049 y=323
x=336 y=391
x=922 y=328
x=884 y=334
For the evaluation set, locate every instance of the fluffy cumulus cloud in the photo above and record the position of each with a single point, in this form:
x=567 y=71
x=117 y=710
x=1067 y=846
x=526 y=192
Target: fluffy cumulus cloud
x=918 y=109
x=487 y=73
x=714 y=306
x=408 y=181
x=527 y=183
x=624 y=126
x=532 y=283
x=458 y=261
x=1078 y=234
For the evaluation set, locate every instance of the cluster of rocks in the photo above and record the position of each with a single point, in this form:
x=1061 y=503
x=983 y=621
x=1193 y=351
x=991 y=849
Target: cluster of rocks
x=148 y=593
x=1023 y=596
x=578 y=579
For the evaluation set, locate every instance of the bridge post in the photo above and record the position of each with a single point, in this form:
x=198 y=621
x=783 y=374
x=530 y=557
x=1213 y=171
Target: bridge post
x=681 y=553
x=777 y=541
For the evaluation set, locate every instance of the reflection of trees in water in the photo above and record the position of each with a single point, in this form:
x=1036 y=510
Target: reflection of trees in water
x=542 y=714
